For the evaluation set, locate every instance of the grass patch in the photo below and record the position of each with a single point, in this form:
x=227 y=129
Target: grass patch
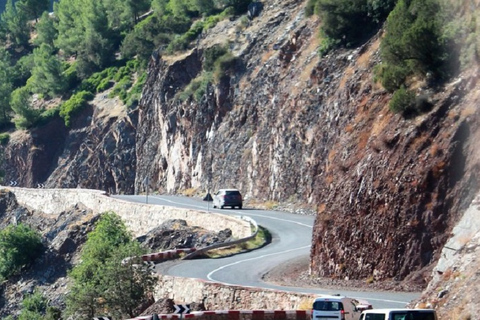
x=262 y=239
x=190 y=192
x=4 y=138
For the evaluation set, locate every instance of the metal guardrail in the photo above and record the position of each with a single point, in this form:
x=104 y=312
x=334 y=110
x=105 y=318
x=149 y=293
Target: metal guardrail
x=193 y=252
x=200 y=251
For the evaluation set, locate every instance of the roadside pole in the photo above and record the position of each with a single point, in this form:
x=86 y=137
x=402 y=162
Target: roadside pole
x=146 y=185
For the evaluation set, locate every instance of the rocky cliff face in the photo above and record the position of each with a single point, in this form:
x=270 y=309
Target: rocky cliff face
x=96 y=152
x=290 y=126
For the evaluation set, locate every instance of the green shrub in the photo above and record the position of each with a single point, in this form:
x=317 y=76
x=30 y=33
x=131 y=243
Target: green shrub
x=212 y=21
x=342 y=18
x=122 y=73
x=47 y=116
x=181 y=43
x=133 y=65
x=70 y=74
x=311 y=8
x=403 y=101
x=224 y=65
x=133 y=95
x=211 y=55
x=197 y=88
x=392 y=77
x=98 y=80
x=104 y=85
x=74 y=105
x=19 y=247
x=239 y=6
x=121 y=88
x=34 y=302
x=327 y=44
x=25 y=114
x=4 y=138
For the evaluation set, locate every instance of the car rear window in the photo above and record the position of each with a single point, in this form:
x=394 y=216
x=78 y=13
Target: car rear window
x=373 y=316
x=232 y=193
x=328 y=305
x=401 y=315
x=413 y=315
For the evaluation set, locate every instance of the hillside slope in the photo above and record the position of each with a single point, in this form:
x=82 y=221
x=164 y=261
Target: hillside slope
x=285 y=126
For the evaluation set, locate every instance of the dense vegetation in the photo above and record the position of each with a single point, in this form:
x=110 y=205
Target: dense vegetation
x=89 y=46
x=417 y=47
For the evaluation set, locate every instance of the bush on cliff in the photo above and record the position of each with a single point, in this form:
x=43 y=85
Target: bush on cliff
x=403 y=101
x=4 y=138
x=341 y=19
x=413 y=43
x=74 y=105
x=19 y=247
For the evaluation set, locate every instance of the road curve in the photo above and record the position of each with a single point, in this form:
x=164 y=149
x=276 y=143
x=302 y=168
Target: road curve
x=291 y=238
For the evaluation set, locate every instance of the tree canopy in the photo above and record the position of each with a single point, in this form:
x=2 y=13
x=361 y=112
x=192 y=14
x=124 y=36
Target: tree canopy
x=19 y=247
x=111 y=275
x=6 y=86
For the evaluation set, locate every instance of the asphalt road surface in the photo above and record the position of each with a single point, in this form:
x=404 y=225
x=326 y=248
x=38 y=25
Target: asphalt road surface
x=291 y=238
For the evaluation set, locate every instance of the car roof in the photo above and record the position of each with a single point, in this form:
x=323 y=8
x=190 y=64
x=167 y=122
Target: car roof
x=329 y=297
x=400 y=310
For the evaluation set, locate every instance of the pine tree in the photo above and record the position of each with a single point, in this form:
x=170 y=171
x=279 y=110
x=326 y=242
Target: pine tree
x=47 y=75
x=46 y=32
x=15 y=23
x=33 y=8
x=6 y=86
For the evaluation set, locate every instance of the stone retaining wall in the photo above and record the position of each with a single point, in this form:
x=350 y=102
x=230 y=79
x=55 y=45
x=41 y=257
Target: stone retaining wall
x=138 y=217
x=218 y=296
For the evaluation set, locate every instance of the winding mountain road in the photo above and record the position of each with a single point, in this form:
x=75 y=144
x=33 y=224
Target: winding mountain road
x=291 y=238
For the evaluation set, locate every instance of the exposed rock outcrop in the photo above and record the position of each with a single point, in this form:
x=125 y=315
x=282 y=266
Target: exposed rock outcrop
x=288 y=126
x=97 y=151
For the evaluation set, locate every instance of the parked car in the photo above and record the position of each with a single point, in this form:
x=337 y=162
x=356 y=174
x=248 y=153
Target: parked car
x=227 y=198
x=399 y=314
x=337 y=307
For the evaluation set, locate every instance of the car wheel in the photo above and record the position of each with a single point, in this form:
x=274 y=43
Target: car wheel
x=221 y=207
x=240 y=207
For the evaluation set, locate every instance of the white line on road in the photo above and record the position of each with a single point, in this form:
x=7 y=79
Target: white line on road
x=209 y=276
x=236 y=211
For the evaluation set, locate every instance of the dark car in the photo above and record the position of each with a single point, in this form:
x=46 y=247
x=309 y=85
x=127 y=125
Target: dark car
x=227 y=198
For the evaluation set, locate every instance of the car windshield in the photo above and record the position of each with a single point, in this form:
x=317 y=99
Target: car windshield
x=232 y=193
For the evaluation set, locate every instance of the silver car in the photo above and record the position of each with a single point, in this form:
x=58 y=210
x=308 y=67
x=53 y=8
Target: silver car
x=227 y=198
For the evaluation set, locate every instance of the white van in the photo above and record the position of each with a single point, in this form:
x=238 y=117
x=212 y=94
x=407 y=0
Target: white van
x=337 y=308
x=399 y=314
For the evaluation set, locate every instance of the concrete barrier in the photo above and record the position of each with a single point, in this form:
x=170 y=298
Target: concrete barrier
x=236 y=315
x=138 y=217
